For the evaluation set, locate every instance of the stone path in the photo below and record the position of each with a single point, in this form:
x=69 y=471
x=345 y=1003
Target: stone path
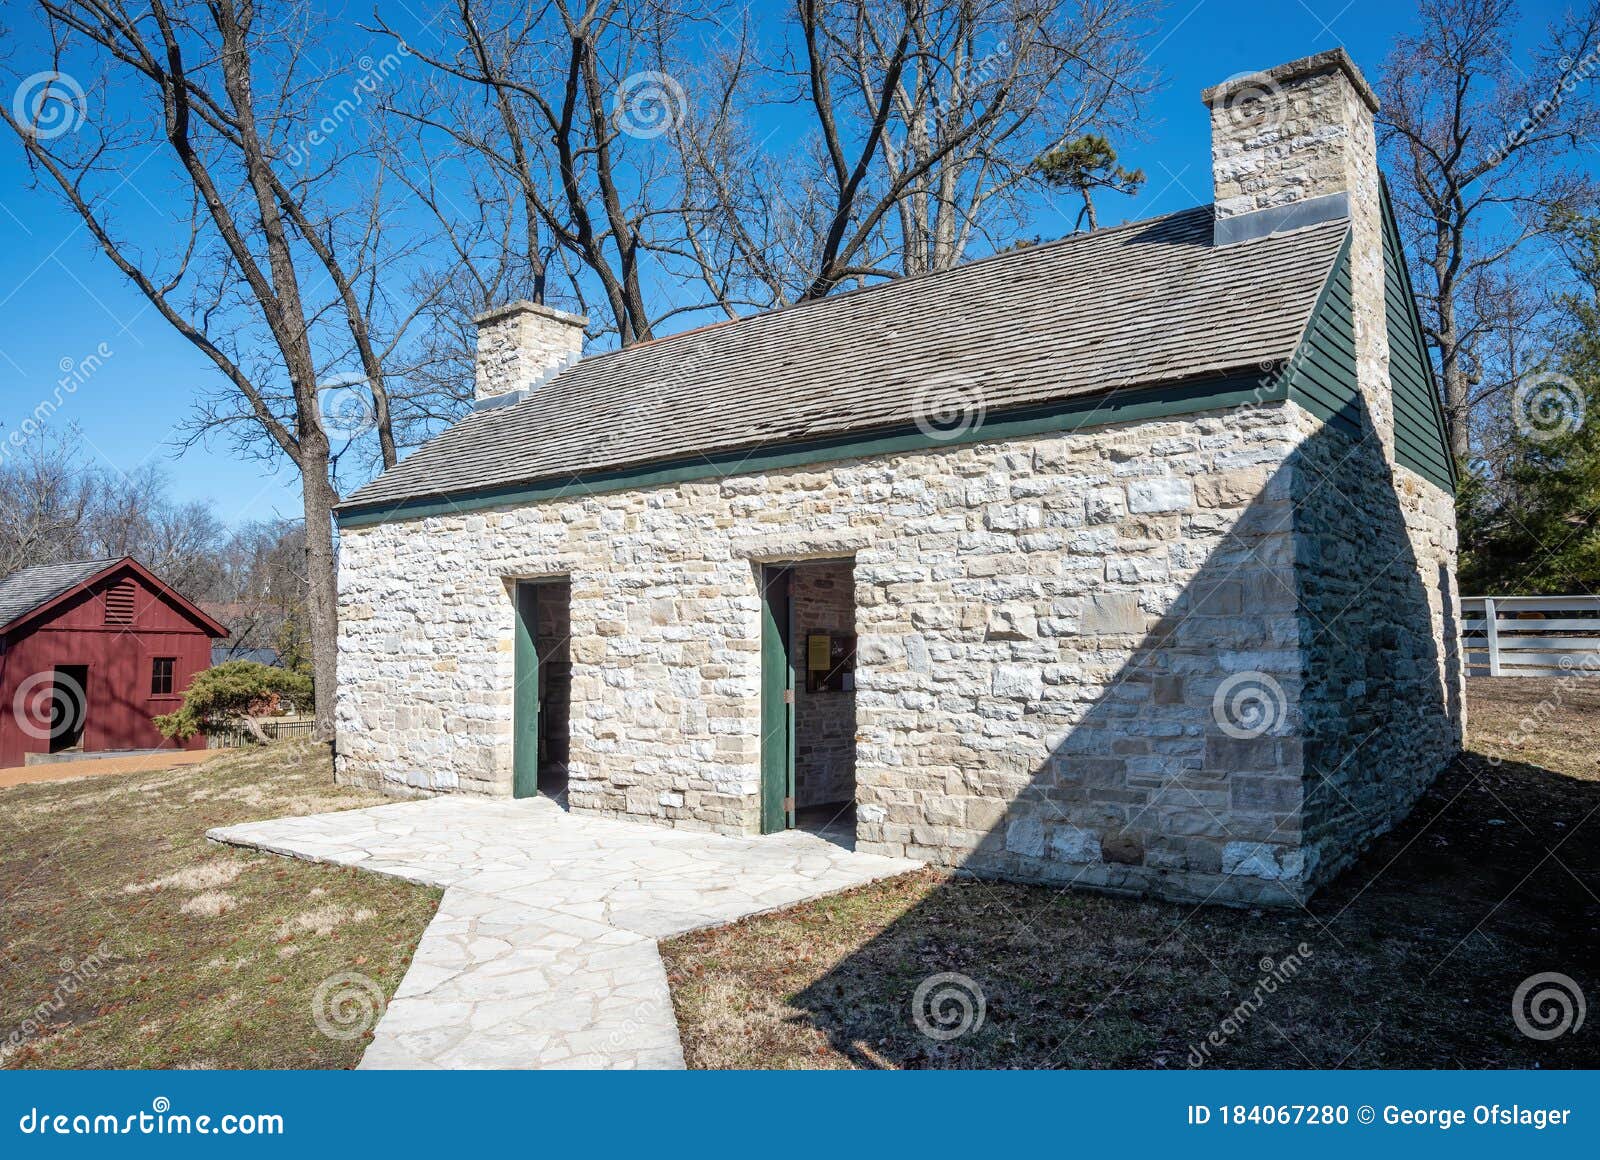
x=543 y=951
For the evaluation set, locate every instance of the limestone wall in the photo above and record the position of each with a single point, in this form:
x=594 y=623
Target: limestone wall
x=1383 y=701
x=1043 y=625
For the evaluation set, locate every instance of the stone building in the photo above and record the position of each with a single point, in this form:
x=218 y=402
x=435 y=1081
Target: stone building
x=1126 y=560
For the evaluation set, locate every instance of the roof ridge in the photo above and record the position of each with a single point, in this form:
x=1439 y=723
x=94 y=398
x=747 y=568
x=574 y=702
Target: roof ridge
x=65 y=564
x=900 y=283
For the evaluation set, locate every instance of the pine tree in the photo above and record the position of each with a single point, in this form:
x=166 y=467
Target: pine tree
x=1085 y=164
x=1530 y=522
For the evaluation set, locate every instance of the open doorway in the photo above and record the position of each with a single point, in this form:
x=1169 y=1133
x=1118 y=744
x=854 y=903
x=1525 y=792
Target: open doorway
x=809 y=701
x=69 y=706
x=543 y=697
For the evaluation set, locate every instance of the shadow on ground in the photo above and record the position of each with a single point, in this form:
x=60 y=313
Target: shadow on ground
x=1410 y=959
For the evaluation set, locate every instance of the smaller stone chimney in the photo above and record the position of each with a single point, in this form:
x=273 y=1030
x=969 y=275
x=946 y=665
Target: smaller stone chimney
x=520 y=345
x=1292 y=146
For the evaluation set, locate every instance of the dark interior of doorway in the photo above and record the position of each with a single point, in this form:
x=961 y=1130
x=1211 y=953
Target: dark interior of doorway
x=555 y=687
x=68 y=707
x=822 y=653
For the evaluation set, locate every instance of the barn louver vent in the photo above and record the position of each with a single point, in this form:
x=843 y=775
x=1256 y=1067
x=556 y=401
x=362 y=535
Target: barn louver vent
x=119 y=603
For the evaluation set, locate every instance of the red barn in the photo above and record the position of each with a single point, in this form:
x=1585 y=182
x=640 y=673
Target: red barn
x=89 y=653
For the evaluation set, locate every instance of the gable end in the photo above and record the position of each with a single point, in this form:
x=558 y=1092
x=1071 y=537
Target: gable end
x=1420 y=441
x=1322 y=376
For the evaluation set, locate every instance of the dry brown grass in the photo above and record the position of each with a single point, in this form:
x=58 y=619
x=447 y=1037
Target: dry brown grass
x=1415 y=952
x=128 y=940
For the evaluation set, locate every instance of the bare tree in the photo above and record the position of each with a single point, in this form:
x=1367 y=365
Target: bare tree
x=260 y=590
x=1482 y=151
x=277 y=240
x=926 y=117
x=646 y=168
x=58 y=505
x=561 y=103
x=46 y=496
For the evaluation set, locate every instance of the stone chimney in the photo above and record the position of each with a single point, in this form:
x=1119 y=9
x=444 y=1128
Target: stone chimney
x=1293 y=146
x=521 y=345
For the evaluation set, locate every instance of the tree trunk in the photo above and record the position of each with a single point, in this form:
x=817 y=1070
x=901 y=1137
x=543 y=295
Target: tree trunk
x=322 y=591
x=1457 y=391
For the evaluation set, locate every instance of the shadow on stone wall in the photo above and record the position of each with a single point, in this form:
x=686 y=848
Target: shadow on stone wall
x=1214 y=766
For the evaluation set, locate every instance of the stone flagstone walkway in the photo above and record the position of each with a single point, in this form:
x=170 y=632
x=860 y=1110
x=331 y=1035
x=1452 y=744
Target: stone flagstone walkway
x=543 y=951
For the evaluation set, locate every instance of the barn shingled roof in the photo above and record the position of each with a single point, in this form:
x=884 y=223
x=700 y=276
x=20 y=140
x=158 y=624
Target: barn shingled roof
x=23 y=591
x=1145 y=304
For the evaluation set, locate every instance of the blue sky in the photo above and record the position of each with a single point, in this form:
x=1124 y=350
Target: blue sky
x=61 y=302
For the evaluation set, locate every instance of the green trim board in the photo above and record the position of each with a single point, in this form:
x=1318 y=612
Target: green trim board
x=1322 y=376
x=1123 y=406
x=1420 y=438
x=777 y=698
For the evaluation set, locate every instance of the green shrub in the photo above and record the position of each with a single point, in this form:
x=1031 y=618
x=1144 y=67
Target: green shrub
x=226 y=696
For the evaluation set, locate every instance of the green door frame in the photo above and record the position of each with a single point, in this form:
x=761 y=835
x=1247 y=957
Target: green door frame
x=525 y=691
x=777 y=699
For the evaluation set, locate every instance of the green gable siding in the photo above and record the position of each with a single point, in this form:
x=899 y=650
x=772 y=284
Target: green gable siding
x=1419 y=431
x=1322 y=374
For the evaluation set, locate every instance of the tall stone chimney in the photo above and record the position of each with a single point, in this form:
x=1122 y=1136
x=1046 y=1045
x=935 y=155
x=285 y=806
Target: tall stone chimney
x=520 y=345
x=1293 y=146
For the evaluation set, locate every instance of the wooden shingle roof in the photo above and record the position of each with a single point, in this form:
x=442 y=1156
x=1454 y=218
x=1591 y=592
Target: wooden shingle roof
x=23 y=591
x=32 y=589
x=1140 y=305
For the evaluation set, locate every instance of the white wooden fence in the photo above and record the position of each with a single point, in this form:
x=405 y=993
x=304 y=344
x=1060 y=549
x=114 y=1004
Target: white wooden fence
x=1530 y=636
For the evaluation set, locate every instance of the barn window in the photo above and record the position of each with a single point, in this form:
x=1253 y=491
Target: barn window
x=119 y=603
x=161 y=675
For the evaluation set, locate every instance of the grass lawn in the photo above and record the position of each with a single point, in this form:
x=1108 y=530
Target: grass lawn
x=1414 y=954
x=128 y=940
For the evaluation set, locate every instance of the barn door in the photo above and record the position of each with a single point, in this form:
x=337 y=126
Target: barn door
x=777 y=701
x=525 y=694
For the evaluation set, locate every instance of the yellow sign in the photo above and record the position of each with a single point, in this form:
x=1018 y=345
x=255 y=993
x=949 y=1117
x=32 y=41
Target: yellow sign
x=819 y=652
